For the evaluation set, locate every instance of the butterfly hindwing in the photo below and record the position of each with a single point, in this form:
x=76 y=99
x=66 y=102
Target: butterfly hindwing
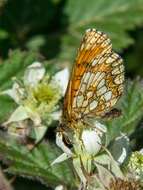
x=97 y=77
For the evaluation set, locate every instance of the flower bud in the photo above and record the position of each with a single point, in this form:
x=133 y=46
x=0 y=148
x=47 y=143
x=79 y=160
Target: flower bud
x=91 y=141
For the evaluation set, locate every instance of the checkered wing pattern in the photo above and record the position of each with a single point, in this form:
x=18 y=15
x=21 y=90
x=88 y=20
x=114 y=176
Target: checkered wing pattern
x=100 y=87
x=97 y=78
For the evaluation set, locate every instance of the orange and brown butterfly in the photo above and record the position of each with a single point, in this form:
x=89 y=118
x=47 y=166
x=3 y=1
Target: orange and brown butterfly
x=96 y=81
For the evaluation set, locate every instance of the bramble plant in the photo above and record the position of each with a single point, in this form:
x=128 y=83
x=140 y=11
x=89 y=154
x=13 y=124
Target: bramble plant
x=97 y=159
x=38 y=42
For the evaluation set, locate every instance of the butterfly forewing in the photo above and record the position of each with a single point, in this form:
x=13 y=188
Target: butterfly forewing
x=97 y=78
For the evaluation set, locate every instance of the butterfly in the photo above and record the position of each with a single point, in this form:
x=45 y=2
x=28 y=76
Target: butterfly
x=96 y=82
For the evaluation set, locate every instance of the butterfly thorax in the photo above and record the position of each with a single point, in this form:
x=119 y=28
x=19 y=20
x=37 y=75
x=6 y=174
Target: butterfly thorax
x=67 y=122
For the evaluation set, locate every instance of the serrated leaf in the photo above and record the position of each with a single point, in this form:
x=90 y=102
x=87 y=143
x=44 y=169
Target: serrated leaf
x=35 y=163
x=114 y=18
x=131 y=105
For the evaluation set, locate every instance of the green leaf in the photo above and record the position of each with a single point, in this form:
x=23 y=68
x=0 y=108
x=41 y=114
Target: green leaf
x=13 y=67
x=3 y=34
x=35 y=163
x=34 y=16
x=114 y=18
x=24 y=19
x=36 y=42
x=134 y=56
x=131 y=105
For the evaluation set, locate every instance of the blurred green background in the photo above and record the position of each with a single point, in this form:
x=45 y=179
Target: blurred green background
x=51 y=31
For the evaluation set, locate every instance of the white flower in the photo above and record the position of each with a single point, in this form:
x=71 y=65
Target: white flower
x=34 y=73
x=37 y=97
x=91 y=141
x=62 y=78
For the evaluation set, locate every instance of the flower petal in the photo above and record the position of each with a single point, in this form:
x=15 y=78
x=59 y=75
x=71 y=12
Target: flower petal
x=61 y=158
x=12 y=92
x=40 y=132
x=62 y=78
x=60 y=143
x=18 y=115
x=34 y=74
x=34 y=116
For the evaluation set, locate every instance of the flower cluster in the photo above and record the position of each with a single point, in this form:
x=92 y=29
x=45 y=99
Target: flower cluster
x=136 y=165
